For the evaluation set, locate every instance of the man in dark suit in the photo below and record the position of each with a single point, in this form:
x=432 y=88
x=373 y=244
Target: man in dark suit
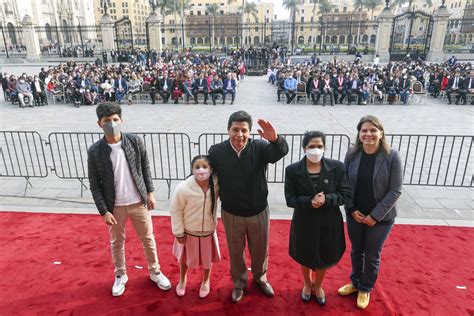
x=280 y=85
x=200 y=86
x=326 y=89
x=456 y=85
x=39 y=91
x=404 y=88
x=229 y=88
x=315 y=89
x=339 y=88
x=165 y=85
x=470 y=85
x=352 y=88
x=120 y=87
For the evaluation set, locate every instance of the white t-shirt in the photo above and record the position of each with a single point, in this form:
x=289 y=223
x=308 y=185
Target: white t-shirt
x=126 y=192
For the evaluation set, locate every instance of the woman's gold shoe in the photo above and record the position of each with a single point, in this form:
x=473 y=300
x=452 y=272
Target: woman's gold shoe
x=347 y=289
x=363 y=299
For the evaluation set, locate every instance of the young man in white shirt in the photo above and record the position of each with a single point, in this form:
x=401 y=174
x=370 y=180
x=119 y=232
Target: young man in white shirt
x=122 y=188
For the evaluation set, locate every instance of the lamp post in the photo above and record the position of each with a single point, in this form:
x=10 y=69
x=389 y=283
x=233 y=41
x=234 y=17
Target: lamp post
x=182 y=25
x=320 y=34
x=4 y=40
x=349 y=39
x=210 y=42
x=265 y=30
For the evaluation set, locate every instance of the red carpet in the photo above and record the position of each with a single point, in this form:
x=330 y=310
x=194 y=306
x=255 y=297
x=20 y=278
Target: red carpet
x=421 y=269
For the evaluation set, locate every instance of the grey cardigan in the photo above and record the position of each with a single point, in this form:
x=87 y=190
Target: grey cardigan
x=387 y=182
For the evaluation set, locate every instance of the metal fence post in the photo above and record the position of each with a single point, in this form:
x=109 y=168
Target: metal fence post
x=4 y=41
x=80 y=37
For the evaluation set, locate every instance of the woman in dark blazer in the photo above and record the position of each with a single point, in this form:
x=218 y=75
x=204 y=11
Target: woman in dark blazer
x=315 y=187
x=375 y=174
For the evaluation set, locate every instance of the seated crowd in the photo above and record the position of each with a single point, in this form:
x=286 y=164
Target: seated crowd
x=182 y=78
x=339 y=81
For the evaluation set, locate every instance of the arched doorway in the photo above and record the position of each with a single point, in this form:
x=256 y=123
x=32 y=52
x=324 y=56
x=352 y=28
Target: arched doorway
x=12 y=34
x=373 y=39
x=365 y=39
x=49 y=35
x=342 y=39
x=66 y=32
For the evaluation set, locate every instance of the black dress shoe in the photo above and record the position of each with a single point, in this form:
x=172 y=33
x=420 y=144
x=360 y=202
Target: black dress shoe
x=305 y=297
x=321 y=300
x=237 y=295
x=267 y=289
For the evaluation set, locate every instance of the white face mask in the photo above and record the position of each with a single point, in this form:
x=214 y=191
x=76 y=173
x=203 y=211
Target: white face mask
x=314 y=154
x=201 y=174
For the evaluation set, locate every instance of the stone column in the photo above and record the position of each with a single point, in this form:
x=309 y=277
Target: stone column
x=384 y=33
x=108 y=32
x=440 y=26
x=31 y=39
x=154 y=31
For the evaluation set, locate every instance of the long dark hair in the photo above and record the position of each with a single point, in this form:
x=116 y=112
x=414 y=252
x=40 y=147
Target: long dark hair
x=383 y=146
x=211 y=180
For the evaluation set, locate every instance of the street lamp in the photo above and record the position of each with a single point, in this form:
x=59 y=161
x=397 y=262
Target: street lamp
x=265 y=30
x=4 y=39
x=105 y=4
x=349 y=39
x=320 y=33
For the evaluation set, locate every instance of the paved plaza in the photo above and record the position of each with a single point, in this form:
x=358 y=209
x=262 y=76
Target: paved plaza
x=418 y=205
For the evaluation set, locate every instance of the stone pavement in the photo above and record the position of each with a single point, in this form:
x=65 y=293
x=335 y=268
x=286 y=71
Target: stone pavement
x=418 y=204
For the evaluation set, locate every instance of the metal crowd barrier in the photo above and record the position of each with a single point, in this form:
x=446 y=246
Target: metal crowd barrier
x=22 y=155
x=435 y=160
x=429 y=160
x=169 y=155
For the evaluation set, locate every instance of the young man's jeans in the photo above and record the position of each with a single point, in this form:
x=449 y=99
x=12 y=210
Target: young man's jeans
x=367 y=243
x=141 y=220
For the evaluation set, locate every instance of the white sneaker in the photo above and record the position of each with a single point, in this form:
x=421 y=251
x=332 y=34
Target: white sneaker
x=160 y=280
x=119 y=285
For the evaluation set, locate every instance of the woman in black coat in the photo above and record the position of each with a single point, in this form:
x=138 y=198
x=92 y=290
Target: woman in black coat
x=315 y=187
